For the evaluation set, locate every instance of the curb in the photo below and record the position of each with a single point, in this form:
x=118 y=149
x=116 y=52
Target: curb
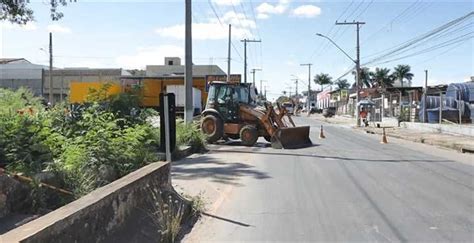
x=454 y=146
x=180 y=153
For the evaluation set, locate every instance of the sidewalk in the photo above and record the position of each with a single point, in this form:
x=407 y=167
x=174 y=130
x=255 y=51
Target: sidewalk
x=451 y=141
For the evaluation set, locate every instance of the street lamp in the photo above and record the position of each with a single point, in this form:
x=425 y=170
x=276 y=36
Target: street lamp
x=338 y=47
x=357 y=63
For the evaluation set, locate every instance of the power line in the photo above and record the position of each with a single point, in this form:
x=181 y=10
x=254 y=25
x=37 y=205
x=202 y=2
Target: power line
x=365 y=9
x=440 y=54
x=325 y=45
x=432 y=48
x=355 y=10
x=405 y=45
x=436 y=36
x=390 y=22
x=220 y=22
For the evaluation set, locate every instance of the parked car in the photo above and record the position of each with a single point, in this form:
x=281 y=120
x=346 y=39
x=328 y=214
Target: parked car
x=329 y=112
x=289 y=107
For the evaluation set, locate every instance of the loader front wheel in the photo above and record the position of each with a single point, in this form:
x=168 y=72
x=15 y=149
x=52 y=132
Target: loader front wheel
x=248 y=135
x=213 y=128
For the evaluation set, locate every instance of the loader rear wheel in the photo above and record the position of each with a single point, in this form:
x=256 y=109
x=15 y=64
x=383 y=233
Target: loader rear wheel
x=248 y=135
x=213 y=128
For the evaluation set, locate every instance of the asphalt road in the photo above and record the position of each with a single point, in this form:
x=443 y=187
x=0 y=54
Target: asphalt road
x=348 y=187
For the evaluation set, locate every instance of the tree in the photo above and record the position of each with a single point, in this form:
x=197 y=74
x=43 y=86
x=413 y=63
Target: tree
x=365 y=77
x=402 y=72
x=323 y=79
x=18 y=11
x=382 y=78
x=342 y=84
x=282 y=99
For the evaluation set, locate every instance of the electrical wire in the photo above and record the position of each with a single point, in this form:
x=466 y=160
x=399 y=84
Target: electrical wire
x=220 y=22
x=391 y=21
x=329 y=33
x=432 y=48
x=415 y=40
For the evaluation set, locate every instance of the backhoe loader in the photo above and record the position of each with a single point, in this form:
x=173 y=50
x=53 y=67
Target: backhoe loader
x=231 y=112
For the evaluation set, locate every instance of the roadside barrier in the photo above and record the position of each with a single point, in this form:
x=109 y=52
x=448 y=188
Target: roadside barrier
x=384 y=137
x=321 y=133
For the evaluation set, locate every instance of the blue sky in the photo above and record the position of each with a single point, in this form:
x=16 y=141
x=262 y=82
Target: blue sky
x=131 y=34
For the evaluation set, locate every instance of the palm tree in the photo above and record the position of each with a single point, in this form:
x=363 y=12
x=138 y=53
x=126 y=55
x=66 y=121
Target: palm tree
x=365 y=77
x=342 y=84
x=402 y=72
x=382 y=78
x=323 y=79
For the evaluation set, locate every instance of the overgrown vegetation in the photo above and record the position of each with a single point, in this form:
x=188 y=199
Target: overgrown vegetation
x=86 y=146
x=190 y=134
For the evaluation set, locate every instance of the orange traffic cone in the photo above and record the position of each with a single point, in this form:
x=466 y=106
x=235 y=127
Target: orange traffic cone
x=384 y=137
x=321 y=133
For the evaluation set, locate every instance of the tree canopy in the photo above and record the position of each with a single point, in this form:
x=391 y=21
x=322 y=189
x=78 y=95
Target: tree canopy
x=322 y=79
x=19 y=12
x=402 y=72
x=342 y=84
x=382 y=78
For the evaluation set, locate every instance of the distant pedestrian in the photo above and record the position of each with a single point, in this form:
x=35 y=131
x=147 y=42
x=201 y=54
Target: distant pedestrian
x=363 y=116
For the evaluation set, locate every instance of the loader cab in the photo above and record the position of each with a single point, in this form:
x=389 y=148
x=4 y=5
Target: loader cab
x=225 y=99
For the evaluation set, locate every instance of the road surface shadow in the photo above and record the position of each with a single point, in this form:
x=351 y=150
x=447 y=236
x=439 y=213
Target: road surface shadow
x=327 y=157
x=226 y=220
x=259 y=145
x=206 y=167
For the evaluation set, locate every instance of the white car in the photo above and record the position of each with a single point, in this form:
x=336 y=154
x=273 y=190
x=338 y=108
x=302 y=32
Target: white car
x=289 y=107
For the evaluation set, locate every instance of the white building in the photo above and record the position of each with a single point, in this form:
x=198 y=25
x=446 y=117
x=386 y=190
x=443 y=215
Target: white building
x=173 y=67
x=19 y=72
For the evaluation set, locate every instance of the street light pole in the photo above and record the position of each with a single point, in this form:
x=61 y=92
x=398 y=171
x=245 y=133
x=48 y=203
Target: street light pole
x=309 y=85
x=245 y=41
x=357 y=61
x=51 y=100
x=229 y=53
x=188 y=75
x=253 y=73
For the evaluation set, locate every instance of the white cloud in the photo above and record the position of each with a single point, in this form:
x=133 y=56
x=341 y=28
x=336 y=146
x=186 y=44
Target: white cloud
x=265 y=9
x=57 y=28
x=226 y=2
x=149 y=56
x=213 y=30
x=306 y=11
x=263 y=16
x=30 y=26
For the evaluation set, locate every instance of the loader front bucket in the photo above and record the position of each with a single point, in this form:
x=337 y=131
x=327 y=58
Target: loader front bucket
x=291 y=138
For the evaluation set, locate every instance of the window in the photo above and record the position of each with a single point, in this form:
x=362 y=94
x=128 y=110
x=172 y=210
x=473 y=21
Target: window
x=170 y=63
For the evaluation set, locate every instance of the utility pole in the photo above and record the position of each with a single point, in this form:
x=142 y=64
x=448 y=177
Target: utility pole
x=245 y=41
x=261 y=89
x=309 y=85
x=188 y=75
x=358 y=24
x=425 y=93
x=296 y=83
x=265 y=94
x=253 y=73
x=228 y=53
x=51 y=100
